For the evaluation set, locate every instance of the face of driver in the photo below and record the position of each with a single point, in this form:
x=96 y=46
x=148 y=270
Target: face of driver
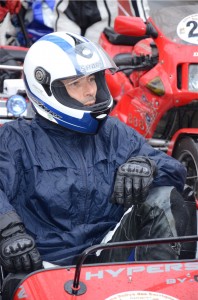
x=83 y=89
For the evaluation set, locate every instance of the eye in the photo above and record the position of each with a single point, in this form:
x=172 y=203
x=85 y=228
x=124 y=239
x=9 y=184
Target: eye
x=92 y=78
x=74 y=84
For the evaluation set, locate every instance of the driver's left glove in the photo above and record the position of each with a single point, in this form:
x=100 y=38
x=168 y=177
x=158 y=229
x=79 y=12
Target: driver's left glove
x=133 y=181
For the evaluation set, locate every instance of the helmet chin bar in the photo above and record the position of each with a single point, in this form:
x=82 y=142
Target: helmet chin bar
x=88 y=125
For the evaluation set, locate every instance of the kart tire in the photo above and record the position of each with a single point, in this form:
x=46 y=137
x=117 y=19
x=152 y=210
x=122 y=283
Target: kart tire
x=186 y=152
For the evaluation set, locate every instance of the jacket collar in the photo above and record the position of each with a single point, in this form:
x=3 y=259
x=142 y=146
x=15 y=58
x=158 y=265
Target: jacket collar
x=56 y=129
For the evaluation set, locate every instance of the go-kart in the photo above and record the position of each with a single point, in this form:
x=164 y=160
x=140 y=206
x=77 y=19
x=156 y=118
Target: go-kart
x=153 y=280
x=155 y=90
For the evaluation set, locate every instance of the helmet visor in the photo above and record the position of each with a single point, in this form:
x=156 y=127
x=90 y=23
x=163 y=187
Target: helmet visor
x=87 y=58
x=85 y=85
x=91 y=58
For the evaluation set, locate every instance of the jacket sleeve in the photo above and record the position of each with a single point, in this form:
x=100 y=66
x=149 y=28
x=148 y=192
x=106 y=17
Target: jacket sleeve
x=170 y=172
x=130 y=143
x=9 y=176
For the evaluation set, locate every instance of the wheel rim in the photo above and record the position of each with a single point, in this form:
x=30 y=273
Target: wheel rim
x=188 y=160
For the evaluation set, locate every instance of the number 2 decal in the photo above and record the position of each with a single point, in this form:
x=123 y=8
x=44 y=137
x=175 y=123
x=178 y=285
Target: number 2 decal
x=187 y=29
x=194 y=27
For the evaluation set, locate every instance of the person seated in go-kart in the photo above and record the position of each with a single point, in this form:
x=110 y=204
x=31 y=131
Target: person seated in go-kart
x=74 y=176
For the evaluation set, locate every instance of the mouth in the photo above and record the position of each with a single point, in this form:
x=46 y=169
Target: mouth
x=90 y=102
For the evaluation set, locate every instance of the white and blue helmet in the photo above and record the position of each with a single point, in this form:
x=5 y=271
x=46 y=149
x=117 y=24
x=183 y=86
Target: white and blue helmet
x=59 y=56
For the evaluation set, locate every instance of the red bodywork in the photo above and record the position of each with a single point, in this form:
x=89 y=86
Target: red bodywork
x=141 y=108
x=115 y=281
x=176 y=279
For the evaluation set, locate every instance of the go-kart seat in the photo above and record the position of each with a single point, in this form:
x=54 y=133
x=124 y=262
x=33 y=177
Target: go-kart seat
x=9 y=285
x=121 y=39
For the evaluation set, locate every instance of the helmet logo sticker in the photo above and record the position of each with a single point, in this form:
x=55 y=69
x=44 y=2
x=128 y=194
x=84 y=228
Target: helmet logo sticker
x=87 y=52
x=94 y=67
x=84 y=51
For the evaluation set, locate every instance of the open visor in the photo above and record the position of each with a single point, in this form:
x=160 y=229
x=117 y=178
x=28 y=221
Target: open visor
x=86 y=59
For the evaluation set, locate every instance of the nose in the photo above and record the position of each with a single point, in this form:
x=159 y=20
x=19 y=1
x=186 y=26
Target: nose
x=89 y=89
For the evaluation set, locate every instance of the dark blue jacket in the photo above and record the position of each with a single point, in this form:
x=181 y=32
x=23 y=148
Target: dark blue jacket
x=60 y=182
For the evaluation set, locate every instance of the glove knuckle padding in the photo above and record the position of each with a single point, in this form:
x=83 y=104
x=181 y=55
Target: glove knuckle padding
x=137 y=176
x=15 y=253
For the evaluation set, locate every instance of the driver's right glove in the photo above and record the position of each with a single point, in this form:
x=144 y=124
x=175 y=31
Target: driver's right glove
x=18 y=251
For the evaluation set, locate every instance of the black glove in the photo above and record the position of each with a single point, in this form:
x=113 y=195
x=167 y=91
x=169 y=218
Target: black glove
x=133 y=180
x=18 y=252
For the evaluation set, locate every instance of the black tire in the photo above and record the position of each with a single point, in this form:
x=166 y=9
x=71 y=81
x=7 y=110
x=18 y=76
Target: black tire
x=186 y=152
